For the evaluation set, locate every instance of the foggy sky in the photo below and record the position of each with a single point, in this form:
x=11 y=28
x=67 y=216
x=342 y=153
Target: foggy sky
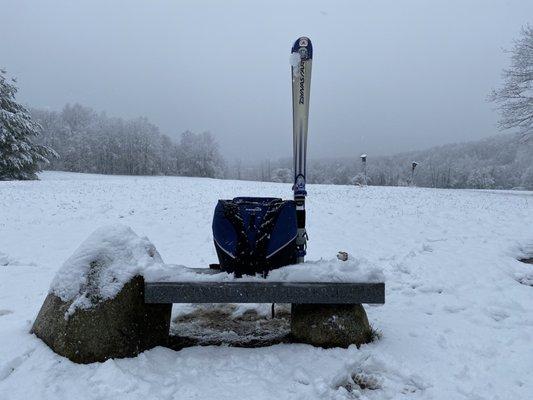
x=388 y=76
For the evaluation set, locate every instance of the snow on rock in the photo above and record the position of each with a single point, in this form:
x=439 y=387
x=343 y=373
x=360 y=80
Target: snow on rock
x=353 y=270
x=109 y=258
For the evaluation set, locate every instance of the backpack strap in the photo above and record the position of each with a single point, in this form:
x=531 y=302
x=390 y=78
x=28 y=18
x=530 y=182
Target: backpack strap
x=243 y=251
x=264 y=234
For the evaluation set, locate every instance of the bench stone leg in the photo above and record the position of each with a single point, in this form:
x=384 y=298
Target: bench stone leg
x=330 y=325
x=115 y=328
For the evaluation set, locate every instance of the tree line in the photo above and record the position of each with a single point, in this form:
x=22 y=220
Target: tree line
x=87 y=141
x=504 y=161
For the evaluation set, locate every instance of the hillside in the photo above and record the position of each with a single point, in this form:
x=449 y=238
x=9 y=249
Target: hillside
x=503 y=161
x=457 y=323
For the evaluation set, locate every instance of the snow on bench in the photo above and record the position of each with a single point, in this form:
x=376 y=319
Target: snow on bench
x=114 y=255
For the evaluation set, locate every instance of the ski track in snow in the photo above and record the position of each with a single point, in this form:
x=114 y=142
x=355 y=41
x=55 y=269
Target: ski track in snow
x=457 y=324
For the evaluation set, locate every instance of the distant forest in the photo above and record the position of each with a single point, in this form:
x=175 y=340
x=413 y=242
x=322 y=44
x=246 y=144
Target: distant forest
x=87 y=141
x=504 y=161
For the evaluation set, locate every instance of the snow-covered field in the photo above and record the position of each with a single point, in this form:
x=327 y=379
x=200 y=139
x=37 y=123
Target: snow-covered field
x=457 y=323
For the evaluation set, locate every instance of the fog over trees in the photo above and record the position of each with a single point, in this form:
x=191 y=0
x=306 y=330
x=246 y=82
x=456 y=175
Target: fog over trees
x=92 y=142
x=504 y=161
x=87 y=141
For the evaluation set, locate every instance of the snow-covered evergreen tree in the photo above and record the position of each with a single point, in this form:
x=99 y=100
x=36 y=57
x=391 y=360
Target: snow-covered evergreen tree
x=20 y=157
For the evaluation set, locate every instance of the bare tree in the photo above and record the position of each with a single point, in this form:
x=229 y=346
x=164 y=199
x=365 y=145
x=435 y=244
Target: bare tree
x=515 y=98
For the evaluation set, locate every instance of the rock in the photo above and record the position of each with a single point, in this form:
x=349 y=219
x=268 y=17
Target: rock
x=95 y=308
x=330 y=325
x=122 y=326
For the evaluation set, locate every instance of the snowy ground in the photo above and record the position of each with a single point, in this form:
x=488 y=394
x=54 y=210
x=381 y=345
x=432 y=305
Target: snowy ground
x=458 y=324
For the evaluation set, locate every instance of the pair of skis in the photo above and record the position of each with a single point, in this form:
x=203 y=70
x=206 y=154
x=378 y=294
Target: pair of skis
x=301 y=60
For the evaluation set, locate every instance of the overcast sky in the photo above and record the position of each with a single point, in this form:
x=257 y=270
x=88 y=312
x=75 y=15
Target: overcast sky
x=388 y=76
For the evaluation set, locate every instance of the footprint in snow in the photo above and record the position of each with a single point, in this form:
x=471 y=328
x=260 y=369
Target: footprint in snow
x=5 y=312
x=9 y=367
x=526 y=280
x=402 y=268
x=431 y=289
x=453 y=309
x=426 y=248
x=497 y=314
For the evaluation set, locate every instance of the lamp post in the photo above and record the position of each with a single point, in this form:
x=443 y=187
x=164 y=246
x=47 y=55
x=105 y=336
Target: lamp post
x=413 y=166
x=363 y=160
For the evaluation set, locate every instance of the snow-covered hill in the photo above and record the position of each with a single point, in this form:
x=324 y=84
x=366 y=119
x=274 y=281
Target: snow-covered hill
x=458 y=322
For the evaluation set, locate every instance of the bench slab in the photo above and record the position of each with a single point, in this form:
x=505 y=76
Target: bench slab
x=264 y=292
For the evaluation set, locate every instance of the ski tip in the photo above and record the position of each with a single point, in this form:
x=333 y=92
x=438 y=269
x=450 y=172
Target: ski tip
x=303 y=46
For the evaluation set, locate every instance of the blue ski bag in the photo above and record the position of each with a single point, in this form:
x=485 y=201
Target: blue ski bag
x=255 y=234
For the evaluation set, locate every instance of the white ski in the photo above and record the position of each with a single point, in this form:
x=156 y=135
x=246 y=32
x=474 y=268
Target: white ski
x=301 y=60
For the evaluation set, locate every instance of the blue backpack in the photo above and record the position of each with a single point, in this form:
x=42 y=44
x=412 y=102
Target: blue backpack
x=255 y=234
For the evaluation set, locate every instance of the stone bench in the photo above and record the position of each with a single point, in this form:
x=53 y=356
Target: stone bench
x=264 y=292
x=113 y=298
x=327 y=314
